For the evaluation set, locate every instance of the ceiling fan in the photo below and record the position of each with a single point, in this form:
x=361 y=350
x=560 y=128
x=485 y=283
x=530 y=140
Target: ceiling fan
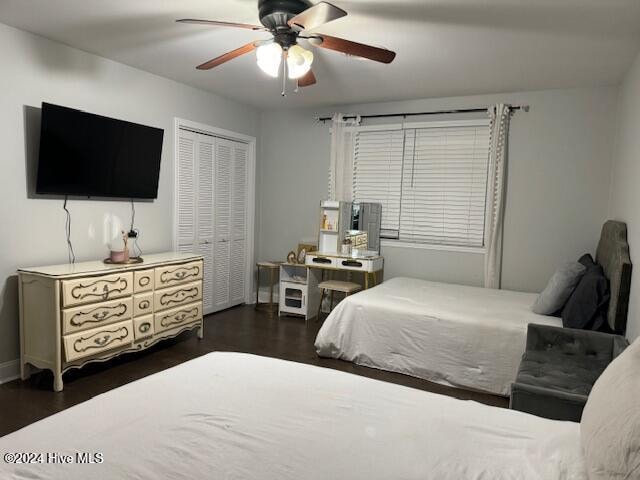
x=288 y=21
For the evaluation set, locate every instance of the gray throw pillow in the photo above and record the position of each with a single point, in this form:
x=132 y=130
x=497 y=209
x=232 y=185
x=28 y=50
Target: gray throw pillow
x=610 y=425
x=559 y=289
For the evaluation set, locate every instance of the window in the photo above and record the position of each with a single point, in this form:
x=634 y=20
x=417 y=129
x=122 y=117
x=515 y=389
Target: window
x=431 y=180
x=377 y=173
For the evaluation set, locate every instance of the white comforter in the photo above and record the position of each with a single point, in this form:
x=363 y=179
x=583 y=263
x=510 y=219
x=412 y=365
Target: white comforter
x=238 y=416
x=450 y=334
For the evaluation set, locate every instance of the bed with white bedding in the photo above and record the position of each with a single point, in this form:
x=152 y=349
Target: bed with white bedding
x=454 y=335
x=239 y=416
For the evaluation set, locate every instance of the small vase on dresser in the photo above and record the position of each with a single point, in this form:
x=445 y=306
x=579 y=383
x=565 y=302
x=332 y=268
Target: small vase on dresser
x=74 y=314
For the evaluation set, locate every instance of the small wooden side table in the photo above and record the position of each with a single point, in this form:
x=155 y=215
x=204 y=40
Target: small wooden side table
x=273 y=268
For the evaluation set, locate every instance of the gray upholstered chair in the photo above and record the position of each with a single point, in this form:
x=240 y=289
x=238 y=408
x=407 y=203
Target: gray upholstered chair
x=558 y=369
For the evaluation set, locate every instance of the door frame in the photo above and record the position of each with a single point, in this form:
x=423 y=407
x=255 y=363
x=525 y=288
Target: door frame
x=251 y=188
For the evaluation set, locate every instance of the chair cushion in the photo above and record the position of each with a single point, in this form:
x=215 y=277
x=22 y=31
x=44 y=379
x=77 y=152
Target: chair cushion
x=340 y=286
x=559 y=289
x=562 y=371
x=610 y=426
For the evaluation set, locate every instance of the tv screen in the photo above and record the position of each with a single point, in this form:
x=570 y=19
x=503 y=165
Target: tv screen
x=89 y=155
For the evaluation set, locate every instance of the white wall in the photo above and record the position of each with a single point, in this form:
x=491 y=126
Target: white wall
x=625 y=184
x=558 y=184
x=32 y=232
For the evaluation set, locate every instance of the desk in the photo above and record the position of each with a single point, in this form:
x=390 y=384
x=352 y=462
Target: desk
x=372 y=266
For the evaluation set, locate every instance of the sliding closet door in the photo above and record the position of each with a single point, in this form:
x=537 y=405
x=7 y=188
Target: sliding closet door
x=194 y=198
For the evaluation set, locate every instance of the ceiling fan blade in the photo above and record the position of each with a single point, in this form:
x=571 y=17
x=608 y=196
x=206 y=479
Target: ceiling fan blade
x=307 y=80
x=319 y=14
x=220 y=24
x=249 y=47
x=353 y=48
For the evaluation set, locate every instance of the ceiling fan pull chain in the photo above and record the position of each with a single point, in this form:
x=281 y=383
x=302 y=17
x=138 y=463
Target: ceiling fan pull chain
x=284 y=74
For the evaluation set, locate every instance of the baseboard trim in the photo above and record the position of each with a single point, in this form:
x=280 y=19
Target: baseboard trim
x=9 y=371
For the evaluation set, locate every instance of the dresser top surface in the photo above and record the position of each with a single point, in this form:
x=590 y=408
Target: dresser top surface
x=98 y=267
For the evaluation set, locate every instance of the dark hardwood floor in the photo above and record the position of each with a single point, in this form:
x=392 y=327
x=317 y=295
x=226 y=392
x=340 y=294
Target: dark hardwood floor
x=239 y=329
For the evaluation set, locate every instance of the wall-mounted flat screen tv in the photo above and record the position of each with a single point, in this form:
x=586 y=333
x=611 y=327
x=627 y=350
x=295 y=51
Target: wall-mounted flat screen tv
x=83 y=154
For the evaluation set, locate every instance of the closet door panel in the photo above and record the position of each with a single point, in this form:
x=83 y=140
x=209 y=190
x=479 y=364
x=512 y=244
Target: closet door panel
x=205 y=216
x=238 y=225
x=185 y=196
x=223 y=177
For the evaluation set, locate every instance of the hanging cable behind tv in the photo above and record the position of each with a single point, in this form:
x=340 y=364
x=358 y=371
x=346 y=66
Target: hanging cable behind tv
x=134 y=233
x=71 y=254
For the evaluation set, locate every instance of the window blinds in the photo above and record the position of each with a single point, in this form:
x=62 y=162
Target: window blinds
x=431 y=181
x=377 y=174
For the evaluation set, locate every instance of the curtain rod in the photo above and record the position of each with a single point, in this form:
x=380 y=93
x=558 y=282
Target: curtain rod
x=524 y=108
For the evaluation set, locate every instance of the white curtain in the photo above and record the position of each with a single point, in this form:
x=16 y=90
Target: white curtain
x=341 y=160
x=500 y=115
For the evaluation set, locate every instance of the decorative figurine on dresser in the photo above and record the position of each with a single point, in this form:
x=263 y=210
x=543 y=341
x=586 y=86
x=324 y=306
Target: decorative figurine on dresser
x=74 y=314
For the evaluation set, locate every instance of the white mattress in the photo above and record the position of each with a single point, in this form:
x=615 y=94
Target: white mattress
x=238 y=416
x=455 y=335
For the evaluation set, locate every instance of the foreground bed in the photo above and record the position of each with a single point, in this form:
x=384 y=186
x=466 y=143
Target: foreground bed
x=238 y=416
x=450 y=334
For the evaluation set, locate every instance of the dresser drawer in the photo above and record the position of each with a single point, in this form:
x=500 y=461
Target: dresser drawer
x=143 y=327
x=96 y=315
x=176 y=274
x=174 y=296
x=143 y=304
x=177 y=316
x=96 y=289
x=90 y=342
x=320 y=261
x=143 y=280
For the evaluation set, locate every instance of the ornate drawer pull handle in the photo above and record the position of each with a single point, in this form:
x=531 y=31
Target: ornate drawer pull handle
x=144 y=327
x=144 y=304
x=101 y=316
x=144 y=281
x=100 y=341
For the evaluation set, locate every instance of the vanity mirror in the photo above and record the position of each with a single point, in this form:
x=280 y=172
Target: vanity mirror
x=349 y=226
x=364 y=231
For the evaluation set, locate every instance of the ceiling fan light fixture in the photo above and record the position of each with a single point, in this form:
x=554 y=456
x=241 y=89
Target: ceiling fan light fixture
x=269 y=57
x=299 y=61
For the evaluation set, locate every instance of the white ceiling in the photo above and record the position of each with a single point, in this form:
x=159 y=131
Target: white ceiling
x=444 y=47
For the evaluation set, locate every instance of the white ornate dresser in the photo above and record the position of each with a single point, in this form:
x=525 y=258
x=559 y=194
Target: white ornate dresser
x=74 y=314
